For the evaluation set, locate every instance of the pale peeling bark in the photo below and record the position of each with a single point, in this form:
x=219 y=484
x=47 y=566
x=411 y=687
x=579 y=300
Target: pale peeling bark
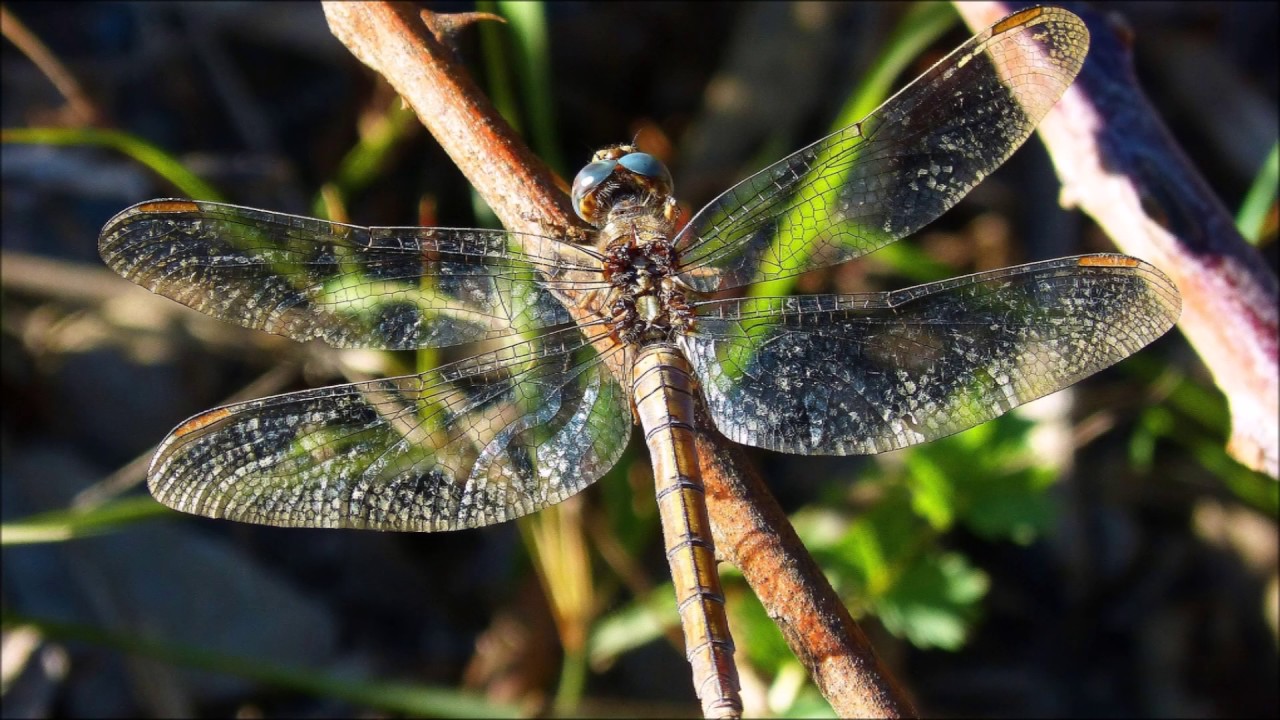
x=1118 y=162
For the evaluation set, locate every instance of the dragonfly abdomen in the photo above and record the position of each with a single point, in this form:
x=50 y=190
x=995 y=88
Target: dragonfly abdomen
x=663 y=393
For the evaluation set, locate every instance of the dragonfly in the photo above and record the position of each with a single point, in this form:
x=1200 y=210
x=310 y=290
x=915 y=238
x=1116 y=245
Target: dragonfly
x=577 y=341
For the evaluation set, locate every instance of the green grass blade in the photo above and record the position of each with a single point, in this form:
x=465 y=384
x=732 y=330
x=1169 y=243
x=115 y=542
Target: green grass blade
x=62 y=525
x=160 y=162
x=919 y=28
x=1252 y=217
x=499 y=84
x=528 y=23
x=923 y=24
x=638 y=623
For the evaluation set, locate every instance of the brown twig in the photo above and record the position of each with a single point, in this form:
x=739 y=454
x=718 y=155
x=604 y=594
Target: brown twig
x=1119 y=163
x=391 y=39
x=749 y=528
x=752 y=532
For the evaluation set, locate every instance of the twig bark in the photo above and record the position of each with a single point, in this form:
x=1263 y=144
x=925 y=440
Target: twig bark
x=750 y=530
x=1119 y=163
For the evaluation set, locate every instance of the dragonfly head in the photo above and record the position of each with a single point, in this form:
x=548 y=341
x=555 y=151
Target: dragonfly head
x=621 y=175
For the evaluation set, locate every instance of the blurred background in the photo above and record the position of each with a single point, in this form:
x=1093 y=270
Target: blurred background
x=1095 y=553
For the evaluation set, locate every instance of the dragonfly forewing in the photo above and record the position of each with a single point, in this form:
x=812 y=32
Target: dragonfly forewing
x=349 y=286
x=905 y=164
x=854 y=374
x=487 y=439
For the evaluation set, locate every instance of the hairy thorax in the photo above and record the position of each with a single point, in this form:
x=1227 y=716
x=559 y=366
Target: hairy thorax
x=647 y=303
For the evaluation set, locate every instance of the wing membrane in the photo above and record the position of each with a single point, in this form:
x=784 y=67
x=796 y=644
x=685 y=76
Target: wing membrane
x=385 y=288
x=905 y=164
x=480 y=441
x=854 y=374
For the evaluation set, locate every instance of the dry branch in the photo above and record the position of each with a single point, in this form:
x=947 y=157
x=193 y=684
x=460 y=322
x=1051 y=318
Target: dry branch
x=1119 y=163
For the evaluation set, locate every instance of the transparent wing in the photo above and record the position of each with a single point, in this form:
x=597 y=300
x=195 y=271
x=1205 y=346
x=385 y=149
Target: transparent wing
x=303 y=278
x=852 y=374
x=480 y=441
x=905 y=164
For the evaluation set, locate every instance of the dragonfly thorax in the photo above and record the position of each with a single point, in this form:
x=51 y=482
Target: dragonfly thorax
x=640 y=263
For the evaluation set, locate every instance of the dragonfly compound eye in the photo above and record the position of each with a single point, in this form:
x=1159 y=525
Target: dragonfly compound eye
x=650 y=169
x=588 y=179
x=646 y=165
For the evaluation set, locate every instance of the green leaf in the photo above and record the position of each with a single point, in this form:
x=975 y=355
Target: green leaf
x=933 y=496
x=990 y=479
x=880 y=542
x=639 y=623
x=808 y=703
x=1015 y=506
x=935 y=601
